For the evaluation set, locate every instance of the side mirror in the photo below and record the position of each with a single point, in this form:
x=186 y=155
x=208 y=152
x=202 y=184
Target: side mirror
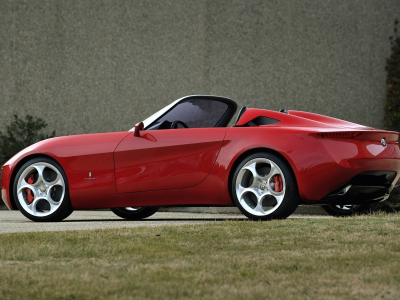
x=138 y=127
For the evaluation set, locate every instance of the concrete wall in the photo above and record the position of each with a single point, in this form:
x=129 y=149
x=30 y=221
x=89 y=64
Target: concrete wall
x=96 y=66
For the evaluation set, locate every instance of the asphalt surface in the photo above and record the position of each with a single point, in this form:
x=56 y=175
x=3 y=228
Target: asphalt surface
x=14 y=221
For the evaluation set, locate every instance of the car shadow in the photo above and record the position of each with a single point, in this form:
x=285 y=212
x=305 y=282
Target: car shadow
x=157 y=220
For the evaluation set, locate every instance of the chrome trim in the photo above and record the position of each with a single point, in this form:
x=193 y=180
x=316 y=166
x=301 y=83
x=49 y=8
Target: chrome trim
x=345 y=190
x=383 y=142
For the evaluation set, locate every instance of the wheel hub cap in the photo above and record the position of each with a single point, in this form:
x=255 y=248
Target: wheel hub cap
x=260 y=186
x=40 y=189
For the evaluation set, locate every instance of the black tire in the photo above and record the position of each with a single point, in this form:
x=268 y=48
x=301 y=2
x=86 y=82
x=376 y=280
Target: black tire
x=290 y=196
x=63 y=208
x=135 y=213
x=349 y=210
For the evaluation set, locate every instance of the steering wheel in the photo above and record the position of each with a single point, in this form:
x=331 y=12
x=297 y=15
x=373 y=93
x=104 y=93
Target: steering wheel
x=176 y=122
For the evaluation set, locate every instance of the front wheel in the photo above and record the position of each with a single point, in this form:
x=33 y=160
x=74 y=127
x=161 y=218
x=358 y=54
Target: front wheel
x=135 y=213
x=41 y=191
x=264 y=187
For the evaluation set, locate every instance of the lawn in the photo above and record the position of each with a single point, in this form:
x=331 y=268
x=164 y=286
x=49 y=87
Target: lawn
x=343 y=258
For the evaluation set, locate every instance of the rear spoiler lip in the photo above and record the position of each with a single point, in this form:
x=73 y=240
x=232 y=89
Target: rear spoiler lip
x=366 y=135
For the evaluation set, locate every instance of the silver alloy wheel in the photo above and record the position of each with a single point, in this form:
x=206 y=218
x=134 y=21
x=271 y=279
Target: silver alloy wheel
x=132 y=208
x=347 y=207
x=41 y=189
x=255 y=187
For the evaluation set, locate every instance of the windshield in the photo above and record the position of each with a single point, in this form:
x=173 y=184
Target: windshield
x=195 y=113
x=155 y=116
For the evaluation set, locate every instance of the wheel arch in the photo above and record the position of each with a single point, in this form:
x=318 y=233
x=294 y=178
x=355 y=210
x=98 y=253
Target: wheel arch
x=250 y=152
x=15 y=171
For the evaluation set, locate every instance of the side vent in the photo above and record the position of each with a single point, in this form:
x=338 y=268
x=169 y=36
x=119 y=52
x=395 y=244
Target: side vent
x=261 y=121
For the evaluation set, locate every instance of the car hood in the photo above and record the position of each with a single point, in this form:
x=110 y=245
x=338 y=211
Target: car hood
x=73 y=145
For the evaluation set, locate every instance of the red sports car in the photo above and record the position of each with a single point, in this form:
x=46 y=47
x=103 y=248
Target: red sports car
x=267 y=164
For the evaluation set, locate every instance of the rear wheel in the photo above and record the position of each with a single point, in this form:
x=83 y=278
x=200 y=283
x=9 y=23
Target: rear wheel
x=135 y=213
x=348 y=210
x=264 y=187
x=41 y=191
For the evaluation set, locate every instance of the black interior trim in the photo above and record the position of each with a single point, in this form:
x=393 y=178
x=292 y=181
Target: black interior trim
x=259 y=121
x=240 y=114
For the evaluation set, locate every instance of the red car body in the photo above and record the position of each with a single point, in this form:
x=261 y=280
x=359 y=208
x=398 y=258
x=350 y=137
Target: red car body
x=195 y=166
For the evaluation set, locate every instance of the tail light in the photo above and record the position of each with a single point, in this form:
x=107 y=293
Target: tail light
x=339 y=135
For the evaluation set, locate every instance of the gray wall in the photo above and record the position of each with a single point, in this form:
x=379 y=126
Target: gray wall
x=96 y=66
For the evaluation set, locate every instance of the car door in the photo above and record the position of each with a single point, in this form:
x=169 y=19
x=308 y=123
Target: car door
x=166 y=159
x=178 y=147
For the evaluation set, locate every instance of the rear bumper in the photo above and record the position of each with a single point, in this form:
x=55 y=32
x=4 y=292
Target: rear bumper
x=369 y=186
x=335 y=163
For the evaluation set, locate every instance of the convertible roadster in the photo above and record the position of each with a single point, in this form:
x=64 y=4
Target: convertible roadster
x=266 y=164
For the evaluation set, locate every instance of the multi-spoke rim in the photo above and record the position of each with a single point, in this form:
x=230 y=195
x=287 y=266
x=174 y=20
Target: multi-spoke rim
x=41 y=189
x=347 y=207
x=132 y=208
x=260 y=186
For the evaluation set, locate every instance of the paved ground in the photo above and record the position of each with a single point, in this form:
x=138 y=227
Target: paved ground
x=301 y=210
x=14 y=221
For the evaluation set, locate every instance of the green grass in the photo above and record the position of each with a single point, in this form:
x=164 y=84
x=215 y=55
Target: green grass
x=343 y=258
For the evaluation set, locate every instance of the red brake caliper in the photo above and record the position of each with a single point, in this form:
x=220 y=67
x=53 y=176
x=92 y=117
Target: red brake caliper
x=29 y=193
x=278 y=183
